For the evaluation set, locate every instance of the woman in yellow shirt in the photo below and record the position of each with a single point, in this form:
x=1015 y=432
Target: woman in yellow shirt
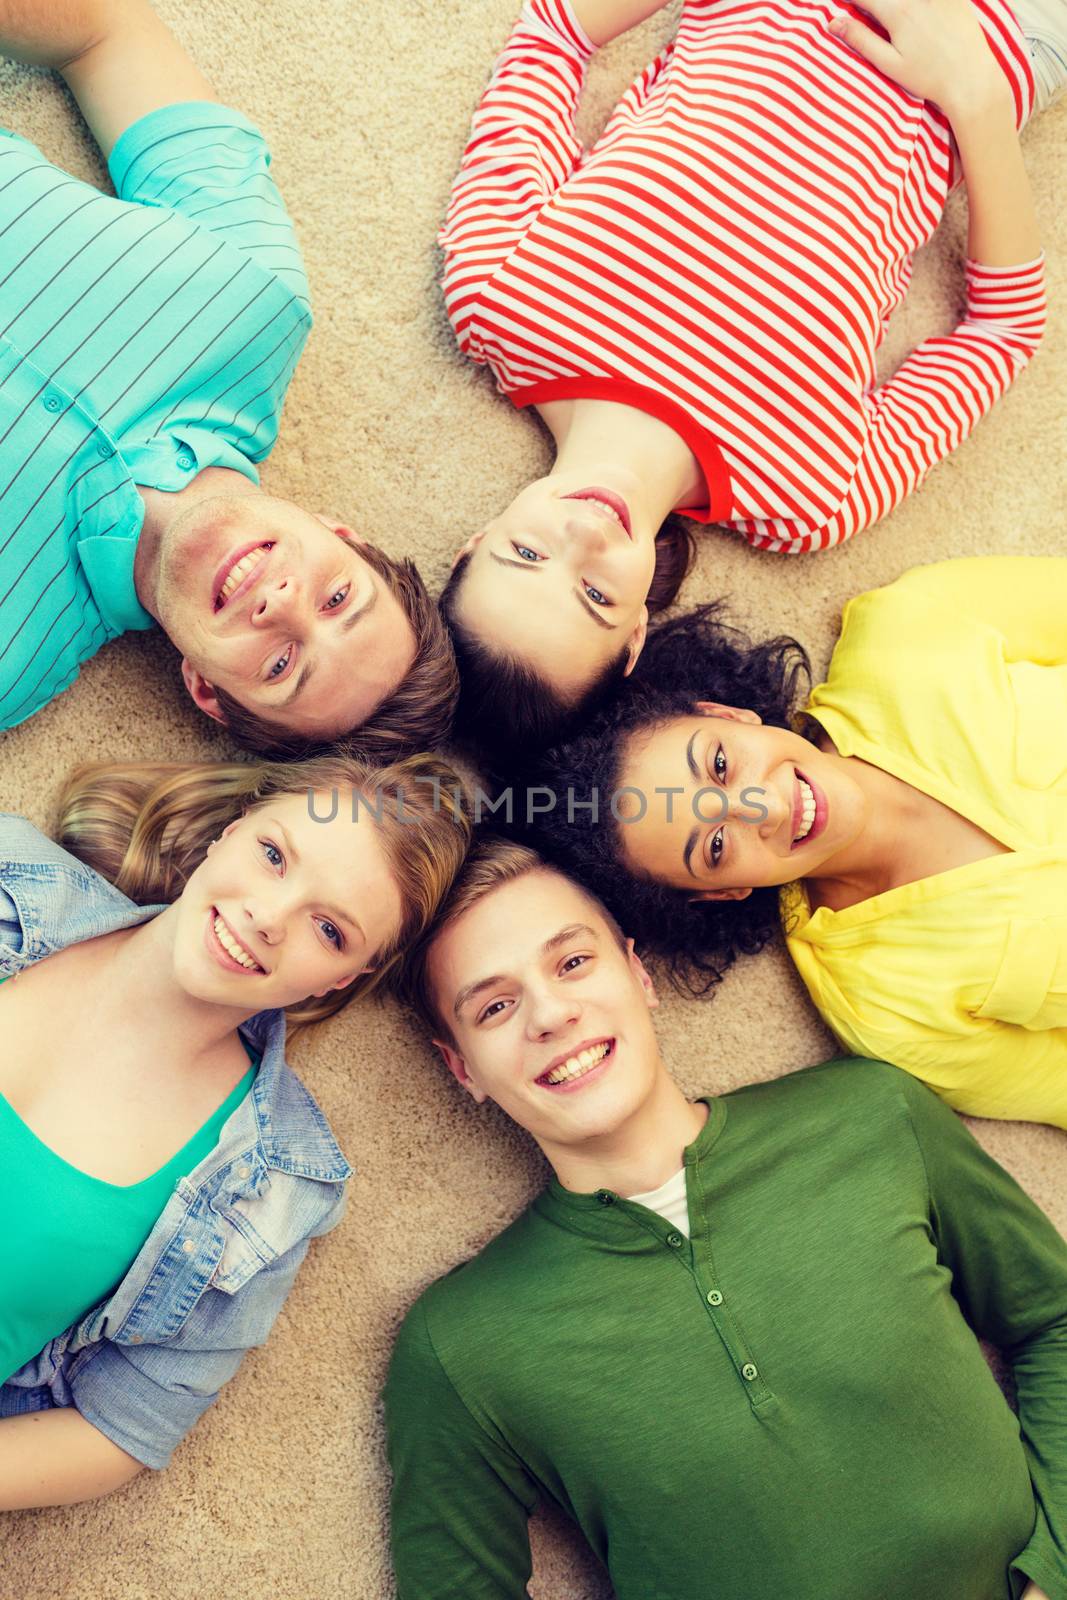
x=915 y=833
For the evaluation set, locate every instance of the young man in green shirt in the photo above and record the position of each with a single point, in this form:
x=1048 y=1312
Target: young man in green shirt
x=147 y=341
x=735 y=1340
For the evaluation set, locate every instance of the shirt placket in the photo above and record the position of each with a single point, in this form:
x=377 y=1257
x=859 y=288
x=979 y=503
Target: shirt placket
x=698 y=1260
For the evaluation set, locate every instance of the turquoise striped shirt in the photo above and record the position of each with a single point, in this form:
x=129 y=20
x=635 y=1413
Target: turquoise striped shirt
x=143 y=339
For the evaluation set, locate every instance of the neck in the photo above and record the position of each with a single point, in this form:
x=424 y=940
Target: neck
x=163 y=509
x=639 y=1155
x=627 y=450
x=140 y=969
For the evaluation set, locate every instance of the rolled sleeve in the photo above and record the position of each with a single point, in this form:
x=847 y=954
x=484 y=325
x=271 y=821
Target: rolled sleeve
x=211 y=165
x=146 y=1397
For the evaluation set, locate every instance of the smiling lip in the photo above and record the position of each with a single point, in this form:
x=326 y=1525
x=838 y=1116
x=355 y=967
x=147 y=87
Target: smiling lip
x=227 y=567
x=822 y=811
x=610 y=498
x=223 y=956
x=572 y=1085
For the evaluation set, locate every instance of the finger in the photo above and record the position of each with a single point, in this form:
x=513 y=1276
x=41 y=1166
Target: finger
x=878 y=51
x=885 y=12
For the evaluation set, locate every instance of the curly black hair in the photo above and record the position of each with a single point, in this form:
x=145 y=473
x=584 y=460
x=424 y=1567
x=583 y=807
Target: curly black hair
x=694 y=657
x=506 y=710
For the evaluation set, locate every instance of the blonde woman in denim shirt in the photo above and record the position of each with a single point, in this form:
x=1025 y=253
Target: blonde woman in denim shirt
x=155 y=952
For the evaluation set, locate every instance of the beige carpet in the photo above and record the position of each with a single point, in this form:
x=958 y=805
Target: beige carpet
x=281 y=1489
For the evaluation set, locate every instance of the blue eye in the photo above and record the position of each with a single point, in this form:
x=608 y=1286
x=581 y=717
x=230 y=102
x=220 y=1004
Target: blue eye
x=596 y=597
x=272 y=853
x=280 y=665
x=337 y=599
x=333 y=934
x=524 y=552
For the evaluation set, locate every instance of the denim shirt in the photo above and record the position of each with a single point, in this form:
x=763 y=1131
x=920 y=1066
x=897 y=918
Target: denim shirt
x=215 y=1270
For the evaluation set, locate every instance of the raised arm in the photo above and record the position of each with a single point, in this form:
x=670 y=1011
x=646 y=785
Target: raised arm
x=1009 y=1275
x=119 y=60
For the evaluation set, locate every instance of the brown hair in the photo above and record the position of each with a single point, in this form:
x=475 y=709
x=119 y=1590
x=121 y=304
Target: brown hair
x=146 y=827
x=417 y=715
x=493 y=861
x=506 y=710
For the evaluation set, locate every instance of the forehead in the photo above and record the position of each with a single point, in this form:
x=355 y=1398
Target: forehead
x=507 y=929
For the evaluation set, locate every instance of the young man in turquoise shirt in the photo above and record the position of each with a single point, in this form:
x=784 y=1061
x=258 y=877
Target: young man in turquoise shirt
x=146 y=345
x=737 y=1340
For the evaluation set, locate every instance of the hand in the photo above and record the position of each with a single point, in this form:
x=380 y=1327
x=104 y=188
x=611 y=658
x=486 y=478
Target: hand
x=1032 y=1592
x=936 y=49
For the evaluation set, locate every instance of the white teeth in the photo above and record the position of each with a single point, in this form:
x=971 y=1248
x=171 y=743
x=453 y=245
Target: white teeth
x=232 y=948
x=577 y=1066
x=238 y=572
x=602 y=505
x=807 y=802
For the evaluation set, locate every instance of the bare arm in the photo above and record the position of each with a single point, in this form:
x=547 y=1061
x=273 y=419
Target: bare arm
x=119 y=60
x=55 y=1458
x=604 y=20
x=936 y=49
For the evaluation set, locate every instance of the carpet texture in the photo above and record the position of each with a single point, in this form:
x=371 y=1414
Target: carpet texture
x=281 y=1489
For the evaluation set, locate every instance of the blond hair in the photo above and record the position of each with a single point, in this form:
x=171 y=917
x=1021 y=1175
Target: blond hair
x=492 y=863
x=146 y=827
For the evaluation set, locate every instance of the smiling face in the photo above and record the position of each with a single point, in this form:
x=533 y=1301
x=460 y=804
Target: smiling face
x=280 y=610
x=284 y=907
x=559 y=579
x=549 y=1013
x=753 y=805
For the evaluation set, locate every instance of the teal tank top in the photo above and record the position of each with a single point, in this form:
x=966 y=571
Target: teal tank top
x=67 y=1239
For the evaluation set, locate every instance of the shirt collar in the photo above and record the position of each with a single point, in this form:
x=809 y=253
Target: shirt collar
x=599 y=1207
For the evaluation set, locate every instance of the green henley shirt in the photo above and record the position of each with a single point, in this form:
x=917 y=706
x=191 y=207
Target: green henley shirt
x=792 y=1403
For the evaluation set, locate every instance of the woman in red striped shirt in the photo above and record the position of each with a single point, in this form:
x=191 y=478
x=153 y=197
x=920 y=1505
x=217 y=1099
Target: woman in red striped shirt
x=693 y=307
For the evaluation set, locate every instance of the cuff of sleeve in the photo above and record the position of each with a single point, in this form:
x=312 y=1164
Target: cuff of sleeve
x=112 y=1394
x=1035 y=1568
x=186 y=116
x=1023 y=272
x=557 y=19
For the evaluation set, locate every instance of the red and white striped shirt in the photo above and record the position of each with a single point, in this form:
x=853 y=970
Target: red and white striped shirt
x=727 y=255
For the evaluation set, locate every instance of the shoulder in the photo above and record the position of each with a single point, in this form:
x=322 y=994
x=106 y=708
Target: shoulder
x=468 y=1313
x=49 y=899
x=848 y=1090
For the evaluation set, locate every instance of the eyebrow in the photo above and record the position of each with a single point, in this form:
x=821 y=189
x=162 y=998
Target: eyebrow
x=332 y=912
x=690 y=843
x=564 y=936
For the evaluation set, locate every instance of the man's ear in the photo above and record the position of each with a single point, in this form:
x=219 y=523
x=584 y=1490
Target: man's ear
x=712 y=708
x=719 y=894
x=458 y=1068
x=340 y=528
x=638 y=966
x=201 y=692
x=636 y=642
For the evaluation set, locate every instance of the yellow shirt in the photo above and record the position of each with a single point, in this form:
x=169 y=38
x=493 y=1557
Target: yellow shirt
x=954 y=679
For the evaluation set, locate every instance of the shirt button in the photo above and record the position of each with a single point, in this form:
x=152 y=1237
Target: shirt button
x=188 y=1246
x=137 y=1338
x=748 y=1372
x=244 y=1172
x=185 y=461
x=103 y=448
x=605 y=1197
x=52 y=402
x=714 y=1297
x=674 y=1240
